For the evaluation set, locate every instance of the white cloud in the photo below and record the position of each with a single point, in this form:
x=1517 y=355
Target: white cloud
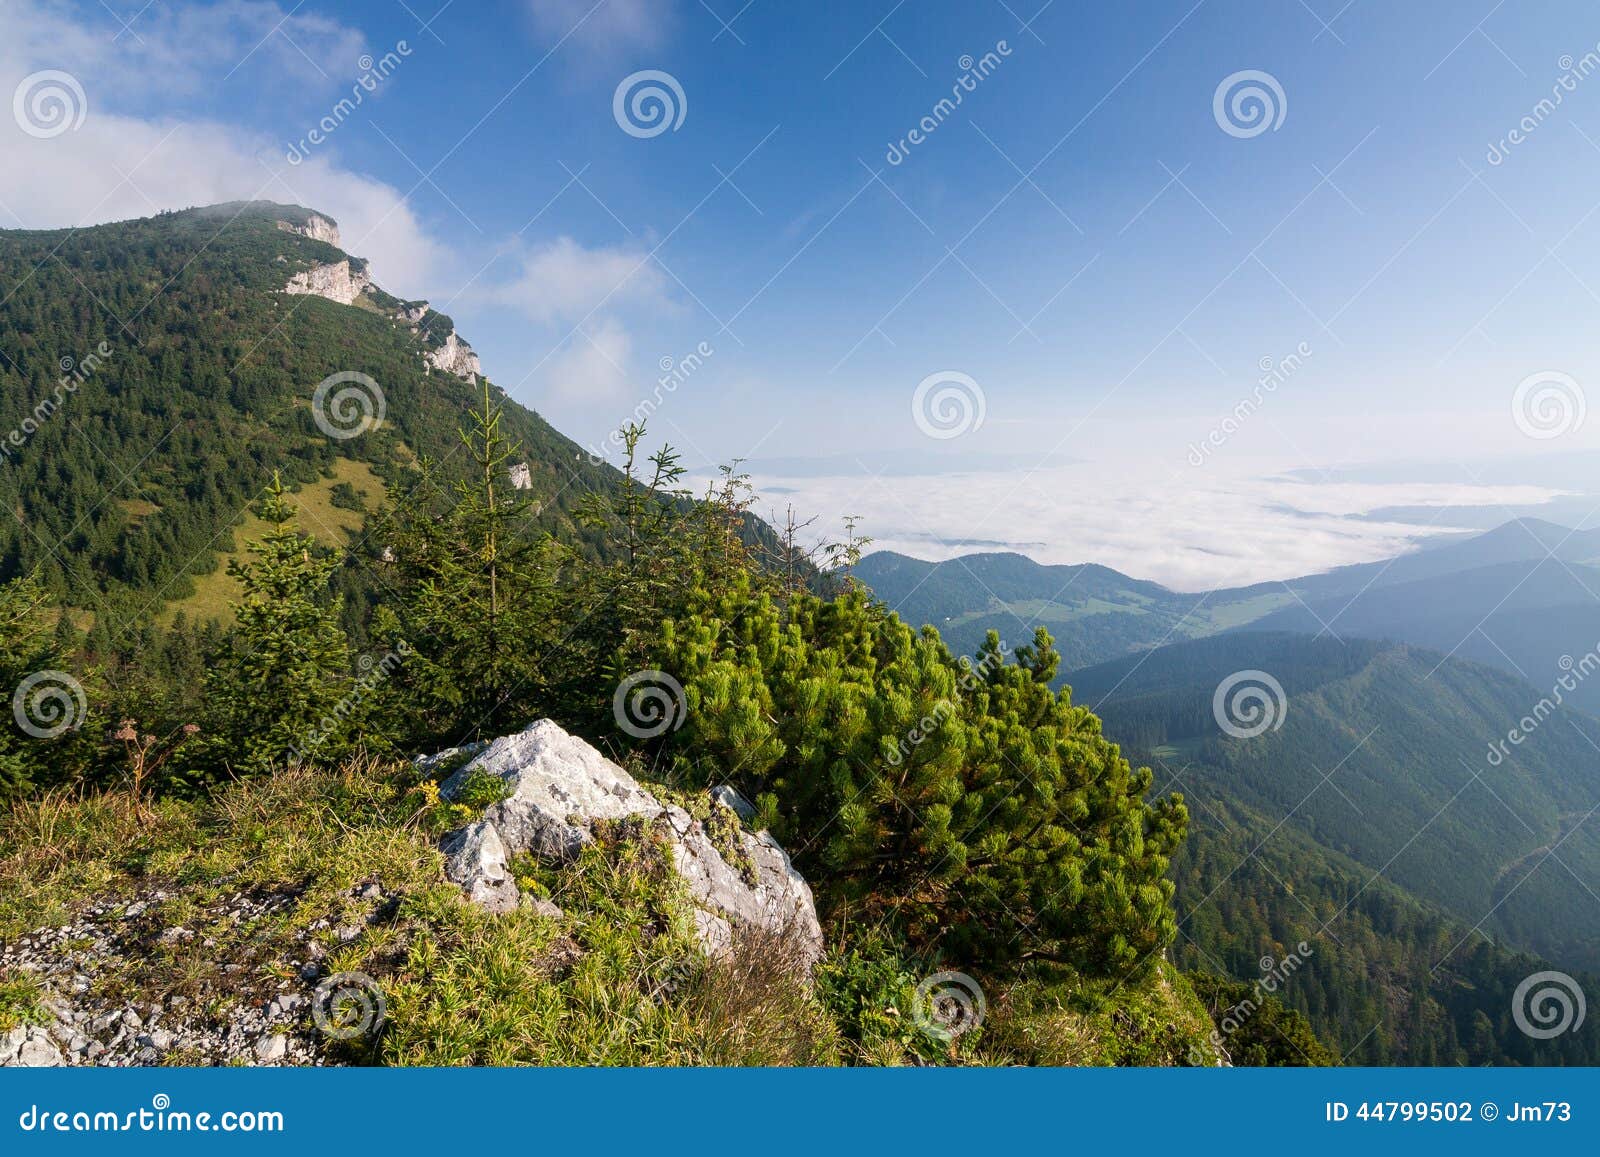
x=1186 y=531
x=581 y=291
x=609 y=24
x=176 y=50
x=116 y=166
x=592 y=367
x=564 y=282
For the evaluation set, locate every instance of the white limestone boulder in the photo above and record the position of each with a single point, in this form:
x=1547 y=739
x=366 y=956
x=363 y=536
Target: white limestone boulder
x=558 y=787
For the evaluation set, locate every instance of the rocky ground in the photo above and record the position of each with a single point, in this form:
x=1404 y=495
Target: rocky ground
x=241 y=1014
x=244 y=976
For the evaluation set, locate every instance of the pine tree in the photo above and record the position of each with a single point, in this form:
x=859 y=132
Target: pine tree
x=34 y=686
x=471 y=594
x=963 y=802
x=285 y=688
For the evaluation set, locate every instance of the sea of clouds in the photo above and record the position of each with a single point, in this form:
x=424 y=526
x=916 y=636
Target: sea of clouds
x=1190 y=532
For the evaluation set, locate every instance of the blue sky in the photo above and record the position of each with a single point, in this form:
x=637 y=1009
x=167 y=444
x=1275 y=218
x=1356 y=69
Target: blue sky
x=1080 y=238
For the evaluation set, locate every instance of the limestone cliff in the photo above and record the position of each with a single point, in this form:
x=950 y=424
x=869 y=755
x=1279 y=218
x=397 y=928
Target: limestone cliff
x=317 y=227
x=455 y=357
x=337 y=281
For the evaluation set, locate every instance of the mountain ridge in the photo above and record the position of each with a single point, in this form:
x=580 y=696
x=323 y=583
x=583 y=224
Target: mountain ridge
x=142 y=469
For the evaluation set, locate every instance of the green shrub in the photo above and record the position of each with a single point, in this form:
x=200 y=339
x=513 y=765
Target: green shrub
x=964 y=803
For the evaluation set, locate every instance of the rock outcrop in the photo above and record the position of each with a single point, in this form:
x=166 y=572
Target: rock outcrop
x=345 y=281
x=29 y=1047
x=455 y=357
x=559 y=787
x=336 y=281
x=317 y=227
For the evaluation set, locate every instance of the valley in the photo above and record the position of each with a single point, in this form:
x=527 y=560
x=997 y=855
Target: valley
x=1371 y=808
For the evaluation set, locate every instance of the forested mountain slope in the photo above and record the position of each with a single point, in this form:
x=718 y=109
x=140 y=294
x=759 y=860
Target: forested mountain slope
x=1388 y=978
x=1534 y=619
x=1381 y=753
x=1371 y=825
x=154 y=373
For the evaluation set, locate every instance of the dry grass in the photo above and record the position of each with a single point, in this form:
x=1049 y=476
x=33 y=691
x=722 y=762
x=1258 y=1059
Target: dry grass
x=618 y=979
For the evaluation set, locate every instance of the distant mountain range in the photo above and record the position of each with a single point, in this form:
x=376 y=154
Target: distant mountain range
x=1524 y=597
x=1369 y=817
x=1094 y=612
